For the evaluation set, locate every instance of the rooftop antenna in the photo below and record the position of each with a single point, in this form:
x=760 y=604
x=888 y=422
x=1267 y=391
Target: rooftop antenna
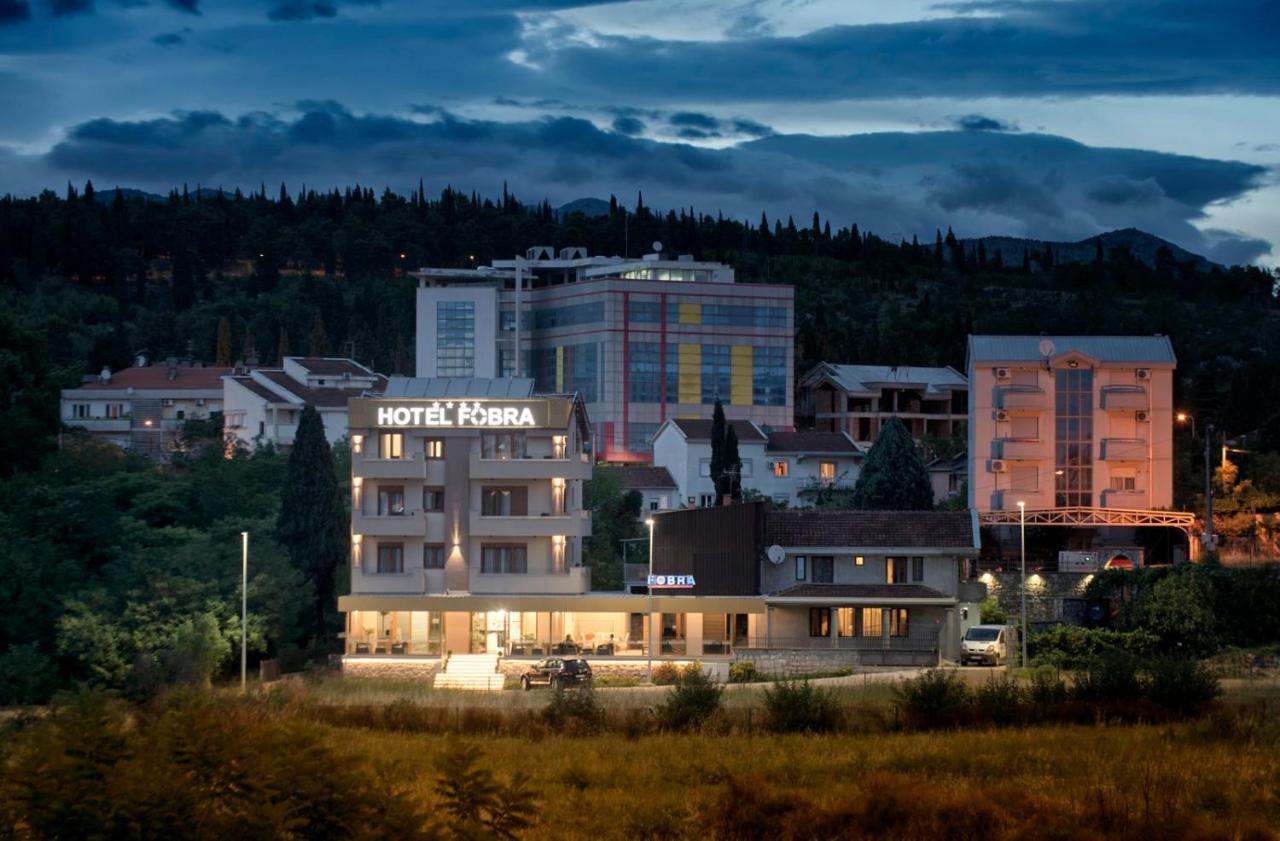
x=657 y=246
x=1047 y=350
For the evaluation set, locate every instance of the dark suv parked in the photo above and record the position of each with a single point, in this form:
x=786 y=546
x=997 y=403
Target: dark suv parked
x=557 y=672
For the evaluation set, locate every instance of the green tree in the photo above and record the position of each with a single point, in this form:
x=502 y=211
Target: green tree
x=893 y=476
x=223 y=354
x=717 y=447
x=615 y=517
x=313 y=522
x=1179 y=611
x=731 y=473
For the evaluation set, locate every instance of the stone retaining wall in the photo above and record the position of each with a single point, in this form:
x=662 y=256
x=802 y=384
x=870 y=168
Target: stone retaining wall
x=423 y=670
x=795 y=662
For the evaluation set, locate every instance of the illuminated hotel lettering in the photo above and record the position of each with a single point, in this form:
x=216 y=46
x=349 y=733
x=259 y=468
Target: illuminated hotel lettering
x=462 y=414
x=656 y=581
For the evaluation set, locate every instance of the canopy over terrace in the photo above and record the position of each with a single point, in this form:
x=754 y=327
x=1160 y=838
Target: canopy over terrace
x=1097 y=518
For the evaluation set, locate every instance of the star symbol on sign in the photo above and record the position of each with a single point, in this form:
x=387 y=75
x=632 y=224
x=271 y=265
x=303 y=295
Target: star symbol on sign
x=448 y=405
x=435 y=405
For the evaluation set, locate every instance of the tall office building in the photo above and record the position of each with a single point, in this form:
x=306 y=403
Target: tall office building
x=642 y=340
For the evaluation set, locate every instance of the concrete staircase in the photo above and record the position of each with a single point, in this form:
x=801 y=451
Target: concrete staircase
x=470 y=671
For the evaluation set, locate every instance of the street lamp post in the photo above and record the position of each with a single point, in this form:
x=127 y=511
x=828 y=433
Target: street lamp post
x=648 y=588
x=1207 y=538
x=1022 y=552
x=244 y=610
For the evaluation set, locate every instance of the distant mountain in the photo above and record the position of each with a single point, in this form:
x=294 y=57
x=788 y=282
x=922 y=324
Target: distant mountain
x=1141 y=245
x=129 y=193
x=587 y=207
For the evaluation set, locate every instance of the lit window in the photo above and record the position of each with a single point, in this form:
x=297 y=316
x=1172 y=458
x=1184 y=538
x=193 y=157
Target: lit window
x=857 y=561
x=433 y=447
x=895 y=570
x=827 y=471
x=781 y=468
x=391 y=445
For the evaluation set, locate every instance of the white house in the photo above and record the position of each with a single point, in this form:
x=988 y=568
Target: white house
x=658 y=491
x=789 y=468
x=266 y=404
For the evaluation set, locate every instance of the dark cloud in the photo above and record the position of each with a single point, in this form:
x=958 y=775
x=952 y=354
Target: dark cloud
x=188 y=6
x=69 y=8
x=751 y=128
x=896 y=184
x=1078 y=48
x=171 y=39
x=628 y=125
x=978 y=122
x=301 y=10
x=693 y=119
x=14 y=11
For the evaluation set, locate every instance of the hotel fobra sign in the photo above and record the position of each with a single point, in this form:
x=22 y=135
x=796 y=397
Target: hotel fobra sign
x=460 y=413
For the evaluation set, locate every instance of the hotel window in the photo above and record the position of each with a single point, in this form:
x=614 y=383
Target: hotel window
x=390 y=500
x=1073 y=454
x=769 y=376
x=717 y=373
x=506 y=560
x=390 y=557
x=819 y=622
x=504 y=502
x=827 y=471
x=502 y=445
x=433 y=557
x=433 y=499
x=898 y=622
x=823 y=569
x=895 y=570
x=391 y=445
x=917 y=569
x=872 y=622
x=645 y=312
x=782 y=468
x=845 y=621
x=455 y=338
x=640 y=437
x=801 y=566
x=1124 y=482
x=644 y=372
x=433 y=448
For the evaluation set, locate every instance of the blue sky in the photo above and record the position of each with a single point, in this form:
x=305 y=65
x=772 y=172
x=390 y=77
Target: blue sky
x=1046 y=118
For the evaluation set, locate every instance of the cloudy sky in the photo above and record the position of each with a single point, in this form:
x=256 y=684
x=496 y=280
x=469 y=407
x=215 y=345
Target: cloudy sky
x=1048 y=118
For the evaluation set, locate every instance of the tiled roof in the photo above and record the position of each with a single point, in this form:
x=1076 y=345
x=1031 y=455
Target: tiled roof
x=869 y=379
x=699 y=429
x=1154 y=350
x=325 y=366
x=318 y=397
x=812 y=442
x=636 y=476
x=883 y=592
x=890 y=529
x=459 y=387
x=258 y=389
x=156 y=378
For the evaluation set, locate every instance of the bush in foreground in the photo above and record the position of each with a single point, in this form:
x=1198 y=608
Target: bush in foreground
x=691 y=702
x=743 y=671
x=800 y=707
x=937 y=698
x=1181 y=684
x=574 y=711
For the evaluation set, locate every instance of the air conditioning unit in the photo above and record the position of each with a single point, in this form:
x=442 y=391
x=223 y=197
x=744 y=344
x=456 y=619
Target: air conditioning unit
x=167 y=402
x=199 y=401
x=1141 y=417
x=1002 y=416
x=997 y=465
x=1143 y=373
x=1003 y=373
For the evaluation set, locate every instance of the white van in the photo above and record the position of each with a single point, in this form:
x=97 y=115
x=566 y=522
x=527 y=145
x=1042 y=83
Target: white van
x=985 y=644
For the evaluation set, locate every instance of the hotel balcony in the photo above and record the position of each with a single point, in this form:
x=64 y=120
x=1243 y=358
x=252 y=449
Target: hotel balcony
x=410 y=467
x=1124 y=449
x=99 y=424
x=409 y=524
x=1126 y=398
x=576 y=524
x=1136 y=498
x=1008 y=500
x=393 y=583
x=573 y=580
x=1021 y=397
x=1019 y=449
x=576 y=467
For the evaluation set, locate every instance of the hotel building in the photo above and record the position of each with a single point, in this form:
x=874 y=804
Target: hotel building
x=1070 y=422
x=143 y=408
x=858 y=399
x=642 y=340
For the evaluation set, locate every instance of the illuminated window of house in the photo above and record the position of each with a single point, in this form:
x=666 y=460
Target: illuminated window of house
x=781 y=468
x=858 y=560
x=845 y=621
x=872 y=618
x=895 y=570
x=827 y=471
x=433 y=448
x=898 y=622
x=391 y=445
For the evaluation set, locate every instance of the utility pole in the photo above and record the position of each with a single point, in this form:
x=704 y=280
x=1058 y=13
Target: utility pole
x=244 y=610
x=1208 y=488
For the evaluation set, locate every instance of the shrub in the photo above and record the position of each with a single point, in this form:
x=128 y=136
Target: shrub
x=1002 y=699
x=937 y=697
x=800 y=707
x=665 y=674
x=476 y=803
x=1181 y=684
x=993 y=614
x=743 y=671
x=693 y=699
x=1110 y=677
x=1047 y=687
x=1180 y=612
x=576 y=710
x=1071 y=646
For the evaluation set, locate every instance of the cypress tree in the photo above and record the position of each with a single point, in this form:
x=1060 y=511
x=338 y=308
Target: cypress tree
x=223 y=354
x=313 y=522
x=732 y=472
x=893 y=476
x=717 y=445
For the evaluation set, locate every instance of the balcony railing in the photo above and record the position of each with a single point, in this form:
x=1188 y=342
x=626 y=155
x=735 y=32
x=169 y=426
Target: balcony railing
x=408 y=524
x=573 y=524
x=576 y=467
x=1124 y=449
x=1019 y=448
x=99 y=424
x=409 y=467
x=1020 y=397
x=1124 y=398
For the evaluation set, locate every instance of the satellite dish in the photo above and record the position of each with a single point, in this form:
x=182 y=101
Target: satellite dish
x=776 y=554
x=1046 y=348
x=657 y=245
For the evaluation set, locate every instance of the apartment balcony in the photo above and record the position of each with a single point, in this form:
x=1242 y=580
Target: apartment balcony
x=1021 y=397
x=99 y=424
x=575 y=524
x=1008 y=500
x=1126 y=398
x=410 y=467
x=1019 y=449
x=386 y=583
x=1129 y=499
x=1124 y=449
x=409 y=524
x=573 y=580
x=576 y=467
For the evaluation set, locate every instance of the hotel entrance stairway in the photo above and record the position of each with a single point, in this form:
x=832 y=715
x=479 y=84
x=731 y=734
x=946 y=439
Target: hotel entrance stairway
x=470 y=671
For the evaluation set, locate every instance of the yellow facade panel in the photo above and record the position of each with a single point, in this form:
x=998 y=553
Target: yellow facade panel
x=690 y=372
x=740 y=375
x=690 y=313
x=560 y=370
